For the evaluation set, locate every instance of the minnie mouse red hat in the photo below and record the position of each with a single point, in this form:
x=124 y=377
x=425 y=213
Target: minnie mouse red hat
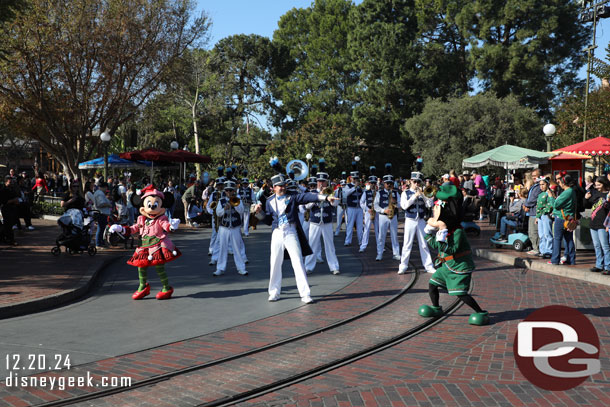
x=150 y=190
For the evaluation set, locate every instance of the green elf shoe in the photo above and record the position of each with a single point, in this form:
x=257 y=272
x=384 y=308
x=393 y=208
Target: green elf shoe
x=479 y=318
x=430 y=311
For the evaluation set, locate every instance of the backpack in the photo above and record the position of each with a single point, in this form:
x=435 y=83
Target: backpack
x=116 y=196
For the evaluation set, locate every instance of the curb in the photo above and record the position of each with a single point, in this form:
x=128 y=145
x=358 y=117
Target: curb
x=563 y=271
x=50 y=301
x=50 y=217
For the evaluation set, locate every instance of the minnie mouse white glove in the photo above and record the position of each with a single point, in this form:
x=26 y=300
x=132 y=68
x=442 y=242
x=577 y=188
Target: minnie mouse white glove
x=116 y=229
x=441 y=235
x=173 y=223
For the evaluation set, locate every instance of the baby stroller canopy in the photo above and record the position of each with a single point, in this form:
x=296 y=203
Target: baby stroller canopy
x=72 y=217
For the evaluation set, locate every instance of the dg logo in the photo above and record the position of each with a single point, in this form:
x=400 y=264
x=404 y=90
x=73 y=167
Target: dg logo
x=557 y=348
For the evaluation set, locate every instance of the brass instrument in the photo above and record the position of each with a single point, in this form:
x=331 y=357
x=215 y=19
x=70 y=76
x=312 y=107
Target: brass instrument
x=392 y=207
x=234 y=201
x=307 y=215
x=372 y=210
x=253 y=219
x=429 y=191
x=213 y=205
x=328 y=191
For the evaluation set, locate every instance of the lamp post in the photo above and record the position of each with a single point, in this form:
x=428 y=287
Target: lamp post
x=174 y=146
x=549 y=131
x=308 y=156
x=105 y=136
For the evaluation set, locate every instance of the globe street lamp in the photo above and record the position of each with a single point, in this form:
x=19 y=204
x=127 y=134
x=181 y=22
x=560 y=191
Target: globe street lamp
x=308 y=156
x=105 y=136
x=549 y=131
x=174 y=146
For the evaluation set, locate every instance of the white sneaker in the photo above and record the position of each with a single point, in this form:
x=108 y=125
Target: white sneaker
x=274 y=298
x=307 y=300
x=335 y=272
x=396 y=257
x=378 y=258
x=31 y=227
x=563 y=259
x=195 y=224
x=212 y=263
x=218 y=272
x=243 y=272
x=361 y=251
x=402 y=271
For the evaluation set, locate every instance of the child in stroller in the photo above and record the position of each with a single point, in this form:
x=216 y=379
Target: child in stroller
x=75 y=235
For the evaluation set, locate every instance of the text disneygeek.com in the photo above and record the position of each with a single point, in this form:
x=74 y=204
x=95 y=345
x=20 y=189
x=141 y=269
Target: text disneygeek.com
x=21 y=367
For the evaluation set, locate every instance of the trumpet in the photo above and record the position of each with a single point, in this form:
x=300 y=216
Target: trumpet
x=429 y=191
x=234 y=201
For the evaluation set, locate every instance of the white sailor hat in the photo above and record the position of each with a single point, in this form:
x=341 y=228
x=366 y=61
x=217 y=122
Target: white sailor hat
x=354 y=174
x=372 y=179
x=220 y=180
x=388 y=178
x=417 y=176
x=245 y=181
x=291 y=185
x=312 y=180
x=278 y=179
x=229 y=184
x=322 y=176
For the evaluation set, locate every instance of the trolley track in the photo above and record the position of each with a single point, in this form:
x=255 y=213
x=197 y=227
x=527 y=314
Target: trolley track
x=154 y=380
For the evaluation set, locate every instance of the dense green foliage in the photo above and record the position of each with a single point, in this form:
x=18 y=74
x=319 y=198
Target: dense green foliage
x=466 y=126
x=382 y=79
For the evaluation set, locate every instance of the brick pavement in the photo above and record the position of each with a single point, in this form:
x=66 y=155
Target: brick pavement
x=454 y=364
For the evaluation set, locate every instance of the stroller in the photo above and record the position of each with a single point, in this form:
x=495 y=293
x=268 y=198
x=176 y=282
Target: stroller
x=115 y=239
x=75 y=235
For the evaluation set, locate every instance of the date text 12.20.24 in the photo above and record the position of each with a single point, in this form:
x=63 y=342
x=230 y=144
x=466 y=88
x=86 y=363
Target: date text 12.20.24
x=34 y=361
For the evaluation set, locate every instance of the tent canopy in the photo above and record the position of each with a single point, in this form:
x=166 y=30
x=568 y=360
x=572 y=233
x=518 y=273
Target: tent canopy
x=509 y=157
x=114 y=161
x=595 y=146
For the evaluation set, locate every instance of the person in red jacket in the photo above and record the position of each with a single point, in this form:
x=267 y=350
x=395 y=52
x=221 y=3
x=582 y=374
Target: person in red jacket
x=39 y=185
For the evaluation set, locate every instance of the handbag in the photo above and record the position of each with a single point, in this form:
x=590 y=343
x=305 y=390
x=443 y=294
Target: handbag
x=570 y=223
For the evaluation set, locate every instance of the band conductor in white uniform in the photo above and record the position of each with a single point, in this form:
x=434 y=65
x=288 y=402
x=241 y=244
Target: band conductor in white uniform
x=415 y=205
x=281 y=213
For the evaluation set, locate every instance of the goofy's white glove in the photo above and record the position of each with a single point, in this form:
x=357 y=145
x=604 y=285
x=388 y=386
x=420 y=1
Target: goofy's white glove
x=173 y=223
x=429 y=229
x=441 y=235
x=116 y=229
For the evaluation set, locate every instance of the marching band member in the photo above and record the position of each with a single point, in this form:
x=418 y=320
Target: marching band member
x=386 y=205
x=246 y=194
x=415 y=205
x=281 y=212
x=229 y=230
x=369 y=214
x=210 y=207
x=352 y=193
x=321 y=226
x=342 y=203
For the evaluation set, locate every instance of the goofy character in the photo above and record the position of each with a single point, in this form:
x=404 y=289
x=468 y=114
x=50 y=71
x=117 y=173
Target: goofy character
x=157 y=249
x=445 y=234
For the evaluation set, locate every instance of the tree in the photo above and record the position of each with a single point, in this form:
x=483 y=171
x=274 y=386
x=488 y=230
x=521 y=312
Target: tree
x=447 y=132
x=324 y=75
x=393 y=85
x=531 y=49
x=76 y=68
x=569 y=118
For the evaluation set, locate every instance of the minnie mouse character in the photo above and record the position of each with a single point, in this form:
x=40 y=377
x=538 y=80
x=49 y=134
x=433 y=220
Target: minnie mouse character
x=157 y=249
x=444 y=233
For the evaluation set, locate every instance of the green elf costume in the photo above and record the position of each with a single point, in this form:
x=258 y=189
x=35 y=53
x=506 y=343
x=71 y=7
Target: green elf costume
x=445 y=234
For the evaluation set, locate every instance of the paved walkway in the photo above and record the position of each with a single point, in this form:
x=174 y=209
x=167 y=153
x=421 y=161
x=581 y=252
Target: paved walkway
x=451 y=364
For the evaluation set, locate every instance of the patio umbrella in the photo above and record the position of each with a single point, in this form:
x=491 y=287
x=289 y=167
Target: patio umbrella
x=189 y=157
x=114 y=161
x=149 y=154
x=508 y=157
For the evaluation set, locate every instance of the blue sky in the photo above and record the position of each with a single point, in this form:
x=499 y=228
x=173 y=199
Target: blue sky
x=231 y=17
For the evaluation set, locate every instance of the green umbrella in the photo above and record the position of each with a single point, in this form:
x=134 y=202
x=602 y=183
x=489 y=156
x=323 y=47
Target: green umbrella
x=508 y=157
